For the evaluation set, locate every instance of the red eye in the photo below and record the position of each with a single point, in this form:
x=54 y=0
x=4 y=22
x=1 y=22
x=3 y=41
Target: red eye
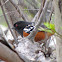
x=16 y=25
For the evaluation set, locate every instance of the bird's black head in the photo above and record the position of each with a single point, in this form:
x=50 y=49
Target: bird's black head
x=20 y=25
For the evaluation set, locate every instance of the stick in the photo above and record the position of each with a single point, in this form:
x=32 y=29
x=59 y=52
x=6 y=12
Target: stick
x=16 y=41
x=19 y=11
x=33 y=33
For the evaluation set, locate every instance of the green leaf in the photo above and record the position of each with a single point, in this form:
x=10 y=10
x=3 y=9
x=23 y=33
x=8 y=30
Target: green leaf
x=50 y=26
x=61 y=27
x=46 y=30
x=47 y=24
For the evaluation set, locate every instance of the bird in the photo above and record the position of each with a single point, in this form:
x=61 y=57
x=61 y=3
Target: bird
x=20 y=25
x=25 y=28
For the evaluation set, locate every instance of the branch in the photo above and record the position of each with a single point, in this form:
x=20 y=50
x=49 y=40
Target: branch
x=24 y=5
x=10 y=12
x=8 y=22
x=8 y=55
x=33 y=33
x=5 y=2
x=32 y=4
x=4 y=40
x=49 y=18
x=41 y=8
x=39 y=12
x=6 y=50
x=19 y=10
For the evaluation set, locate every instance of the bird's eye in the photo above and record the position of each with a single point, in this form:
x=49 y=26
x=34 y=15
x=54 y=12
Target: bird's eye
x=16 y=25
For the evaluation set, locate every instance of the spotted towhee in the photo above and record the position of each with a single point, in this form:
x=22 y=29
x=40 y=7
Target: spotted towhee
x=25 y=28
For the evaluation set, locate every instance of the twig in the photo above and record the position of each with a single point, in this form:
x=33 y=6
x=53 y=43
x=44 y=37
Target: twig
x=23 y=10
x=24 y=5
x=39 y=12
x=33 y=33
x=8 y=23
x=19 y=11
x=5 y=2
x=32 y=4
x=52 y=9
x=30 y=9
x=8 y=13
